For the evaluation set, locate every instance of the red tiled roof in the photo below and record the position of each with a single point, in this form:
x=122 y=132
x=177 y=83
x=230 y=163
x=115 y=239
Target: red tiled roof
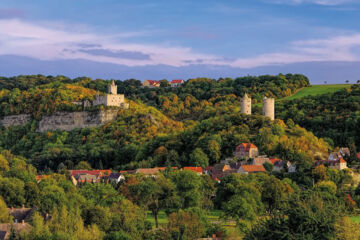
x=153 y=82
x=128 y=171
x=341 y=160
x=253 y=168
x=358 y=155
x=194 y=169
x=246 y=146
x=274 y=160
x=177 y=81
x=90 y=172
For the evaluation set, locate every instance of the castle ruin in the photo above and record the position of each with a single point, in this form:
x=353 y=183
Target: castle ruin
x=268 y=106
x=246 y=105
x=112 y=99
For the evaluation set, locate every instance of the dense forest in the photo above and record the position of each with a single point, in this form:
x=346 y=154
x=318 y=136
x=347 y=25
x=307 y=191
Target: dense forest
x=198 y=124
x=333 y=116
x=262 y=206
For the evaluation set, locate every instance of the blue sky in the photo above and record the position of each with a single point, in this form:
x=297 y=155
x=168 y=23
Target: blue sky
x=181 y=39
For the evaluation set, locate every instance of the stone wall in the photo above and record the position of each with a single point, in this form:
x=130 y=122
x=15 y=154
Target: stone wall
x=68 y=121
x=15 y=120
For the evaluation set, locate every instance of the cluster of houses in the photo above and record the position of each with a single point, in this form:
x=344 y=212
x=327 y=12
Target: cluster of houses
x=247 y=161
x=156 y=84
x=21 y=217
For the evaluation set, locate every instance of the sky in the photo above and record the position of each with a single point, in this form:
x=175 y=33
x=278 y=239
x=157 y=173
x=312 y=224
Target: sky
x=157 y=39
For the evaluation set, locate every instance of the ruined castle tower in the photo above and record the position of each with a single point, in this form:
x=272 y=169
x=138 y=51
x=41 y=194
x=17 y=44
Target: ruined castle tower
x=246 y=104
x=269 y=107
x=113 y=88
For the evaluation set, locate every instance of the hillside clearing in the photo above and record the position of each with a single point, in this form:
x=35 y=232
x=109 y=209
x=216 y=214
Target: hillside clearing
x=317 y=90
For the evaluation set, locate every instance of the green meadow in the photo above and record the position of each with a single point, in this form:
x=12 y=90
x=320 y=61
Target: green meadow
x=317 y=90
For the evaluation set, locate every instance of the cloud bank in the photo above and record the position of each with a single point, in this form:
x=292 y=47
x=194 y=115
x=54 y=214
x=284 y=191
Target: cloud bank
x=54 y=41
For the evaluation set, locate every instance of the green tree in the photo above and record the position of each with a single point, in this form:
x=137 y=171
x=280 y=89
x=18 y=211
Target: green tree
x=199 y=158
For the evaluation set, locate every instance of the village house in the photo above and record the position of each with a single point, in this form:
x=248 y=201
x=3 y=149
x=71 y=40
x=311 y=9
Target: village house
x=151 y=84
x=88 y=176
x=260 y=160
x=278 y=164
x=246 y=169
x=21 y=214
x=339 y=164
x=176 y=83
x=197 y=170
x=19 y=229
x=152 y=172
x=116 y=177
x=246 y=150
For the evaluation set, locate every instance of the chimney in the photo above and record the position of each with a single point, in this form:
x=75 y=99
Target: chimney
x=23 y=206
x=23 y=222
x=12 y=209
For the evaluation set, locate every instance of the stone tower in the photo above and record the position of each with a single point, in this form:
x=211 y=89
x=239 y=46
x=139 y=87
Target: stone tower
x=113 y=88
x=269 y=107
x=246 y=105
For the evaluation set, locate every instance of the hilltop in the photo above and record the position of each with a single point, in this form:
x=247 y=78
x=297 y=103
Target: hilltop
x=317 y=90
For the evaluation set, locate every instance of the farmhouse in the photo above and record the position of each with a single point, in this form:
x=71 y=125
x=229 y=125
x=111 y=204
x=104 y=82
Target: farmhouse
x=151 y=84
x=246 y=150
x=176 y=83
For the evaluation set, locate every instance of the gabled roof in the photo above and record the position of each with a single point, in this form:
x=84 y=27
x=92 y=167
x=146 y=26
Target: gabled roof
x=177 y=81
x=274 y=160
x=153 y=82
x=115 y=175
x=341 y=160
x=21 y=214
x=194 y=169
x=18 y=227
x=98 y=173
x=147 y=171
x=253 y=168
x=246 y=146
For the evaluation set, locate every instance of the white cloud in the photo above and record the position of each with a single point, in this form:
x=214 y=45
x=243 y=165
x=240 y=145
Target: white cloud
x=318 y=2
x=57 y=41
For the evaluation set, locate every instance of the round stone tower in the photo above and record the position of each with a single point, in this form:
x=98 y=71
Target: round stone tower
x=113 y=88
x=246 y=105
x=269 y=107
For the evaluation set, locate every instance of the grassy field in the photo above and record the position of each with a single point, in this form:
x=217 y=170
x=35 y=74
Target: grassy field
x=356 y=219
x=317 y=90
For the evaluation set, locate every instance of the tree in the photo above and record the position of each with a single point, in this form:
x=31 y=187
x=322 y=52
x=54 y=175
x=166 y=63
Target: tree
x=12 y=190
x=319 y=173
x=100 y=194
x=129 y=218
x=199 y=158
x=4 y=212
x=96 y=215
x=184 y=225
x=188 y=185
x=155 y=194
x=83 y=165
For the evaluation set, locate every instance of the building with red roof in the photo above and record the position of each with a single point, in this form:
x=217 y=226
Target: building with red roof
x=198 y=170
x=246 y=150
x=339 y=164
x=246 y=169
x=177 y=82
x=151 y=83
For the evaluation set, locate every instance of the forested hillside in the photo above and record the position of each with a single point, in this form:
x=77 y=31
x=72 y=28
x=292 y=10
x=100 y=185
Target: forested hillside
x=335 y=116
x=196 y=124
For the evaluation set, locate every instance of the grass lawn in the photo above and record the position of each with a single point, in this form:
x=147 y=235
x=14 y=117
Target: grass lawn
x=356 y=219
x=317 y=90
